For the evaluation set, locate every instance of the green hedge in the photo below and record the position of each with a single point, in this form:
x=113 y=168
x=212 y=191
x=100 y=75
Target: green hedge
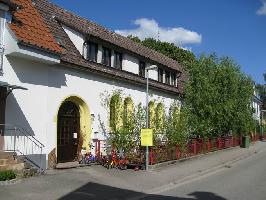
x=7 y=175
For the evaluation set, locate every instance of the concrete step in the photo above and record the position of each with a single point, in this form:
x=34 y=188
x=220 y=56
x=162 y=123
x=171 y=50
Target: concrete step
x=67 y=165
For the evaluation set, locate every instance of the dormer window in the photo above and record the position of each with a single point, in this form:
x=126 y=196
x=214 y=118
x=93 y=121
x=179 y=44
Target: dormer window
x=173 y=79
x=167 y=77
x=160 y=75
x=142 y=68
x=106 y=59
x=118 y=60
x=90 y=51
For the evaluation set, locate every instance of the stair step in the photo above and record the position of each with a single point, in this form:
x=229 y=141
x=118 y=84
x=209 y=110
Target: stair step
x=3 y=162
x=17 y=163
x=6 y=155
x=15 y=167
x=8 y=161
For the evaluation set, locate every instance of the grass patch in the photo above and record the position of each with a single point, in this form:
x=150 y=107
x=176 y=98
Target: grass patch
x=7 y=175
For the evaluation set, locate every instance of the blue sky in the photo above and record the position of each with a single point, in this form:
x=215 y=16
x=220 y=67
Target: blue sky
x=234 y=28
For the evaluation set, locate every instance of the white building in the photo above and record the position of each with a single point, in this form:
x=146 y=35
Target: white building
x=257 y=106
x=54 y=68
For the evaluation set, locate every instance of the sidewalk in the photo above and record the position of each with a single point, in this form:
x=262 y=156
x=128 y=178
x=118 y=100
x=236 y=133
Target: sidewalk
x=94 y=180
x=154 y=179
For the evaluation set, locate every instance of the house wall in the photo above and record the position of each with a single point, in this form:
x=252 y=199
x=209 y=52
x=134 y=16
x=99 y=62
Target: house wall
x=48 y=85
x=257 y=106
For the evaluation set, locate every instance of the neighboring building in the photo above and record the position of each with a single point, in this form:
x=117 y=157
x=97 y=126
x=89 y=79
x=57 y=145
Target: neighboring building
x=54 y=68
x=257 y=106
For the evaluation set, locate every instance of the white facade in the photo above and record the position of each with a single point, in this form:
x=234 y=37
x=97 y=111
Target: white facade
x=256 y=105
x=49 y=83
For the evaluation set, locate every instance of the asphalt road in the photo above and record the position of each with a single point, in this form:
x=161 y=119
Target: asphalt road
x=245 y=180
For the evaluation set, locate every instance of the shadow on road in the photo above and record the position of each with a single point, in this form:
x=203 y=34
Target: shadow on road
x=102 y=192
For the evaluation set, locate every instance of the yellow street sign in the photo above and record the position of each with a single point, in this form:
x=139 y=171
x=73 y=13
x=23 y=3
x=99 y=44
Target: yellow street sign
x=146 y=137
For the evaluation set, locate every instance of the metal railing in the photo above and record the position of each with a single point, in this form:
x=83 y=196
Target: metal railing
x=17 y=139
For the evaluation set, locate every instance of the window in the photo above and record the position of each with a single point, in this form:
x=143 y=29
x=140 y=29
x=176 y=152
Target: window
x=160 y=75
x=142 y=69
x=173 y=79
x=106 y=59
x=167 y=77
x=118 y=60
x=2 y=28
x=92 y=50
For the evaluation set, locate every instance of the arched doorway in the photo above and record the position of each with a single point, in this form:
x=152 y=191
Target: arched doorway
x=68 y=132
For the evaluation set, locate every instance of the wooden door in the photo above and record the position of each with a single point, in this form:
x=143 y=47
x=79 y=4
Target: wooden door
x=68 y=132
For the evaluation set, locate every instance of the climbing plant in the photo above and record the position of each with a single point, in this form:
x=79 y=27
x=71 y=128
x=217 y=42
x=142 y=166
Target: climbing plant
x=160 y=117
x=177 y=126
x=151 y=112
x=128 y=114
x=116 y=111
x=139 y=121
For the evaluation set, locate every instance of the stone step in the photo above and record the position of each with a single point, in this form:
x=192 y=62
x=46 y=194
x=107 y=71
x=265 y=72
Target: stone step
x=6 y=155
x=15 y=167
x=7 y=158
x=3 y=162
x=18 y=163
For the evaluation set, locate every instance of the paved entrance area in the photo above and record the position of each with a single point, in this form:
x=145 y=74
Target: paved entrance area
x=96 y=182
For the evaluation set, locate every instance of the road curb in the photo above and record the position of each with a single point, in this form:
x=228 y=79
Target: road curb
x=182 y=160
x=10 y=182
x=202 y=173
x=197 y=175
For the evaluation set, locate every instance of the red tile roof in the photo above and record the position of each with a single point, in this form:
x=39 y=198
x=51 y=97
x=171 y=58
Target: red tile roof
x=31 y=28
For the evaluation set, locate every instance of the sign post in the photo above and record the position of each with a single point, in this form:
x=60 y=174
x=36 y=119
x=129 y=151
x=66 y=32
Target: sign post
x=146 y=136
x=152 y=67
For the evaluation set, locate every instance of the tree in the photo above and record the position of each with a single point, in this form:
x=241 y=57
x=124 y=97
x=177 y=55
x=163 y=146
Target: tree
x=218 y=96
x=184 y=57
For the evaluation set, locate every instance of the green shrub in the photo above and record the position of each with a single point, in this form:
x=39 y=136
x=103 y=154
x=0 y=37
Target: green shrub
x=7 y=175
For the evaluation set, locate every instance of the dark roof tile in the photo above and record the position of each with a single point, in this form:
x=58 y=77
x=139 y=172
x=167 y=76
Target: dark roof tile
x=41 y=23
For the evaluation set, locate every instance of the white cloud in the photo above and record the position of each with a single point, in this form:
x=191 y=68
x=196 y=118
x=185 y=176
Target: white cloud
x=150 y=28
x=262 y=9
